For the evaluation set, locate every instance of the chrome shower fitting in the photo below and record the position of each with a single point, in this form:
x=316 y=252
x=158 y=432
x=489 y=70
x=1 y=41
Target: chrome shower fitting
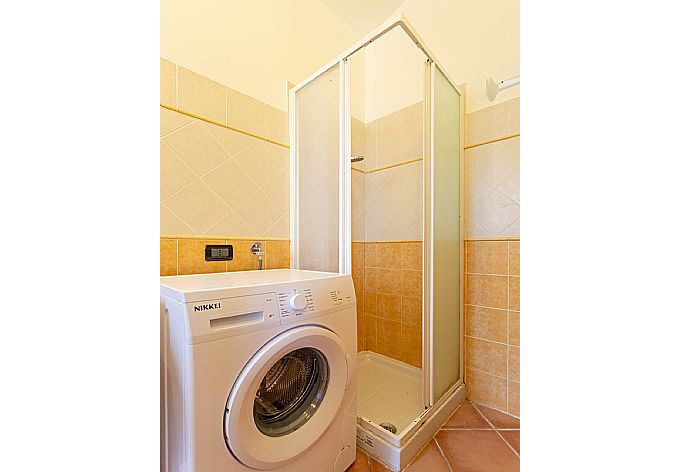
x=354 y=159
x=258 y=250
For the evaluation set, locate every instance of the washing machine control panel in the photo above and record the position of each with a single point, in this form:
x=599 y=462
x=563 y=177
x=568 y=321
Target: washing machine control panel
x=295 y=302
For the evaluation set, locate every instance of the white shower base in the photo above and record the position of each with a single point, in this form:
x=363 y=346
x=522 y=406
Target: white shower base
x=391 y=391
x=388 y=390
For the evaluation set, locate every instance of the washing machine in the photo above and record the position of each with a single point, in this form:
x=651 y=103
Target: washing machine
x=258 y=371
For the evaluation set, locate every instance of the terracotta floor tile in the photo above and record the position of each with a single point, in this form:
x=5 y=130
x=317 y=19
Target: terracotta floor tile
x=499 y=419
x=512 y=437
x=429 y=459
x=361 y=463
x=477 y=451
x=466 y=417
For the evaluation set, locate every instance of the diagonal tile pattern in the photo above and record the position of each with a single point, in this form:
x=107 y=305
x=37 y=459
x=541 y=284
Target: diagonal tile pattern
x=475 y=438
x=492 y=172
x=216 y=181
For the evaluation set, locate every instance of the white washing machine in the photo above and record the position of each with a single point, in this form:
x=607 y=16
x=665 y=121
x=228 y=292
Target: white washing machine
x=258 y=371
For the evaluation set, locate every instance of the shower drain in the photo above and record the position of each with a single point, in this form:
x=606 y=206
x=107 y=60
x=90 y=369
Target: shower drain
x=389 y=427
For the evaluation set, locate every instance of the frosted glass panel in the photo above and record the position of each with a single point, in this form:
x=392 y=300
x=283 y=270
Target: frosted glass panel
x=317 y=125
x=446 y=255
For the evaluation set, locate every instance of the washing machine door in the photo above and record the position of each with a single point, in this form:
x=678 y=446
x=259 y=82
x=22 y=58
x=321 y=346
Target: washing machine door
x=286 y=397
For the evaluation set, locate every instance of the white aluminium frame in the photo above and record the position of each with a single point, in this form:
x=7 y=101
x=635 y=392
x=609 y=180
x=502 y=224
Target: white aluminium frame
x=345 y=240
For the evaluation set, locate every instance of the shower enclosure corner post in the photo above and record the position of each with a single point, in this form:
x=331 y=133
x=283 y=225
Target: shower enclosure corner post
x=427 y=241
x=345 y=252
x=294 y=206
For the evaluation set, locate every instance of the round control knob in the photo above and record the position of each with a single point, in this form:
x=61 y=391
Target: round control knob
x=298 y=302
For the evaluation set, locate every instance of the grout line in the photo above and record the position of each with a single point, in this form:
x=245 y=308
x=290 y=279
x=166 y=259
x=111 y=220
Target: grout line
x=493 y=275
x=218 y=123
x=179 y=129
x=491 y=341
x=491 y=307
x=498 y=238
x=443 y=454
x=483 y=416
x=492 y=140
x=506 y=442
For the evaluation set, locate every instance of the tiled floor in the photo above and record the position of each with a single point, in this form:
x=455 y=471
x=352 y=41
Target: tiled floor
x=474 y=439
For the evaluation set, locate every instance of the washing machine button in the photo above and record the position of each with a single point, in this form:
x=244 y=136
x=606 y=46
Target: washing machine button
x=298 y=302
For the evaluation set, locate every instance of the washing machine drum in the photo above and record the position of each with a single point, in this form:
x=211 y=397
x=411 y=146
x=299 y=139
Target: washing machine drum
x=291 y=392
x=286 y=397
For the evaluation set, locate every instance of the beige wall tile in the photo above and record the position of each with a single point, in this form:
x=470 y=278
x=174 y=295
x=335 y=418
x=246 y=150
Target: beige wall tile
x=370 y=254
x=514 y=301
x=486 y=356
x=370 y=303
x=358 y=280
x=231 y=141
x=258 y=212
x=361 y=330
x=388 y=151
x=198 y=206
x=487 y=257
x=514 y=258
x=412 y=118
x=358 y=255
x=277 y=125
x=357 y=139
x=246 y=113
x=487 y=389
x=230 y=224
x=412 y=311
x=486 y=323
x=492 y=122
x=514 y=363
x=411 y=256
x=230 y=182
x=411 y=283
x=514 y=398
x=168 y=83
x=277 y=254
x=487 y=290
x=278 y=191
x=360 y=311
x=389 y=126
x=172 y=224
x=411 y=146
x=361 y=339
x=172 y=121
x=388 y=338
x=370 y=332
x=389 y=281
x=168 y=257
x=197 y=147
x=389 y=255
x=514 y=328
x=411 y=352
x=200 y=95
x=370 y=134
x=371 y=279
x=389 y=306
x=260 y=163
x=174 y=174
x=191 y=257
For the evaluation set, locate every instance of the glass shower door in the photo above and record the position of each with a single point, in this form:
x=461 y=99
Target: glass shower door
x=315 y=186
x=443 y=257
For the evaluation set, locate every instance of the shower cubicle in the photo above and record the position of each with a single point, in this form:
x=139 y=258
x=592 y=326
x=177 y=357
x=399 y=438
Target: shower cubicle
x=376 y=191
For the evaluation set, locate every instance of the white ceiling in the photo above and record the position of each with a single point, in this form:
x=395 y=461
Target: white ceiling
x=363 y=15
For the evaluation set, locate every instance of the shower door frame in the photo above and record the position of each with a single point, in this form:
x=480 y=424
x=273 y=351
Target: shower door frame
x=345 y=239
